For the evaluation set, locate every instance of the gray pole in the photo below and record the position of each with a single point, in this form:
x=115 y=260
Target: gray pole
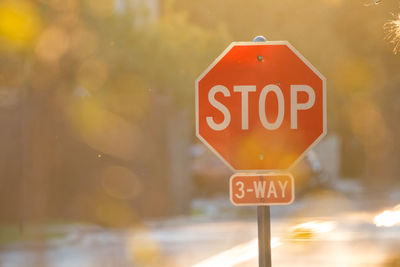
x=264 y=220
x=264 y=236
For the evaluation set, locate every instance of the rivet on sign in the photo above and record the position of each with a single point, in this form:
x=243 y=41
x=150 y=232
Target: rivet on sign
x=261 y=156
x=260 y=58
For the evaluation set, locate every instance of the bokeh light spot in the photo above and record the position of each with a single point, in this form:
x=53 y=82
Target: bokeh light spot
x=19 y=22
x=102 y=130
x=52 y=44
x=143 y=249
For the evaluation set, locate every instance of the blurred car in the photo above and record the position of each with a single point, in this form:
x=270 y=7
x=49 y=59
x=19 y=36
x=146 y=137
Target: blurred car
x=311 y=230
x=211 y=175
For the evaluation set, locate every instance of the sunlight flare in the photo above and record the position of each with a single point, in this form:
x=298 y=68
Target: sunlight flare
x=392 y=30
x=388 y=218
x=236 y=255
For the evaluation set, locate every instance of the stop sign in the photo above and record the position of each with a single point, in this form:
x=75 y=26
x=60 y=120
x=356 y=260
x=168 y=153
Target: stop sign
x=260 y=106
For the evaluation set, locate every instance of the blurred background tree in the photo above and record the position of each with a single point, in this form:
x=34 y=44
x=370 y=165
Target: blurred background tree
x=96 y=96
x=97 y=108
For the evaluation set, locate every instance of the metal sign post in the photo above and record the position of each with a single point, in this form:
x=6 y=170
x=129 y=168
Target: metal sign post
x=264 y=221
x=264 y=236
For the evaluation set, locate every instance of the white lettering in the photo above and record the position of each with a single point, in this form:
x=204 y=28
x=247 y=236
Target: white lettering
x=272 y=190
x=259 y=187
x=281 y=107
x=218 y=105
x=295 y=106
x=283 y=187
x=245 y=89
x=241 y=189
x=263 y=106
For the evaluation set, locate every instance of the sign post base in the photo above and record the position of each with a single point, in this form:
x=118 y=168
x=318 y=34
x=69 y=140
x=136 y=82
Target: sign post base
x=264 y=236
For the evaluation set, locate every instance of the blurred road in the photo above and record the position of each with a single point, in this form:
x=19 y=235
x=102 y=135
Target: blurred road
x=321 y=230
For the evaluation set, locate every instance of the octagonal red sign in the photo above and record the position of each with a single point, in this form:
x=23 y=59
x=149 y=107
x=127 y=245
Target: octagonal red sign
x=260 y=106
